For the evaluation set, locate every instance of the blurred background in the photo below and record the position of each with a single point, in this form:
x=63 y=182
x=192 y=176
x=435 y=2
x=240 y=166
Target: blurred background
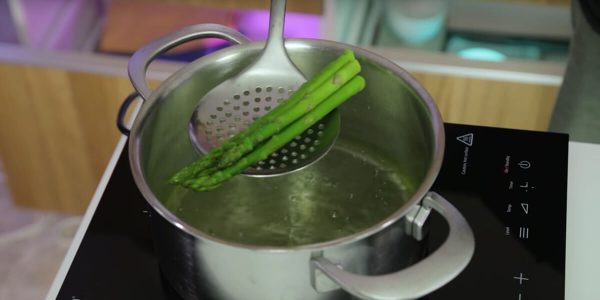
x=63 y=76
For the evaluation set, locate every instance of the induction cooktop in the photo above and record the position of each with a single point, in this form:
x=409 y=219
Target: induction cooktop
x=511 y=186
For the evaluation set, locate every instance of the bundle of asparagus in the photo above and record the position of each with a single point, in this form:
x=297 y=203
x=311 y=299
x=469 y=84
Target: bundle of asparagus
x=331 y=87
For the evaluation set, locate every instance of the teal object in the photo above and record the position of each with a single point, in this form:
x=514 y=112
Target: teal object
x=500 y=48
x=480 y=53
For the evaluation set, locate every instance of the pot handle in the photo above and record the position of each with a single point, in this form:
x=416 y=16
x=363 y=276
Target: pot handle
x=141 y=59
x=123 y=111
x=419 y=279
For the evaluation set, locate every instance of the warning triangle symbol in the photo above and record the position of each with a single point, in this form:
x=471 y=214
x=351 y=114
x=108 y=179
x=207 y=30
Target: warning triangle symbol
x=466 y=139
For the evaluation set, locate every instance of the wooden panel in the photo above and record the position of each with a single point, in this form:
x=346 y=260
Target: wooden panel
x=57 y=132
x=543 y=2
x=491 y=103
x=304 y=6
x=124 y=33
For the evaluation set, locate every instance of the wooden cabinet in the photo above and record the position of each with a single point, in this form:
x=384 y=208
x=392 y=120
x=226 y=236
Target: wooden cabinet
x=478 y=101
x=57 y=124
x=57 y=130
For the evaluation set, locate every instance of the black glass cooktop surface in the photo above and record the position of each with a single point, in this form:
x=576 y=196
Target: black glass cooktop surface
x=510 y=185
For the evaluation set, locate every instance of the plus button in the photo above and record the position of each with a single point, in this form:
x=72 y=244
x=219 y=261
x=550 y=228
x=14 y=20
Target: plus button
x=521 y=278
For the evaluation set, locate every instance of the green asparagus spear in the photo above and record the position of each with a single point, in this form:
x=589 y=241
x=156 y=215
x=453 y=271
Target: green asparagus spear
x=286 y=117
x=209 y=182
x=189 y=171
x=309 y=86
x=208 y=163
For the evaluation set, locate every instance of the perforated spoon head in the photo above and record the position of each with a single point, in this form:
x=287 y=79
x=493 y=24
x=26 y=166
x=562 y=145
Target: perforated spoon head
x=234 y=104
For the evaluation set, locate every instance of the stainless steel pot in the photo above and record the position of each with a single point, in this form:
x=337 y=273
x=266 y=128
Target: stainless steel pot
x=352 y=220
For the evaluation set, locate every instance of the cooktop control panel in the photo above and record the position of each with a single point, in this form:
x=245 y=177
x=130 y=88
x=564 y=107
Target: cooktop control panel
x=511 y=186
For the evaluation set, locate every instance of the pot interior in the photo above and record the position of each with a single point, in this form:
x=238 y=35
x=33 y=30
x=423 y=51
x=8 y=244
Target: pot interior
x=382 y=159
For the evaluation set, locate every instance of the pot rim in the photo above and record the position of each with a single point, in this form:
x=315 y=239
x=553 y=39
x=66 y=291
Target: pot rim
x=166 y=86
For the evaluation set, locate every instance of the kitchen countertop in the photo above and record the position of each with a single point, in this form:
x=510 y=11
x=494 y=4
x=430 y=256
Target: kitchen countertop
x=583 y=242
x=583 y=204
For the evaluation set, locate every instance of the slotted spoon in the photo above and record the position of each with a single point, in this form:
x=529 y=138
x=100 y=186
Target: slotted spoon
x=232 y=105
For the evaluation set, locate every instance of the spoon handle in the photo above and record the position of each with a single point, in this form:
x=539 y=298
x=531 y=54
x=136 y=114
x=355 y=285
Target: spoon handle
x=276 y=23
